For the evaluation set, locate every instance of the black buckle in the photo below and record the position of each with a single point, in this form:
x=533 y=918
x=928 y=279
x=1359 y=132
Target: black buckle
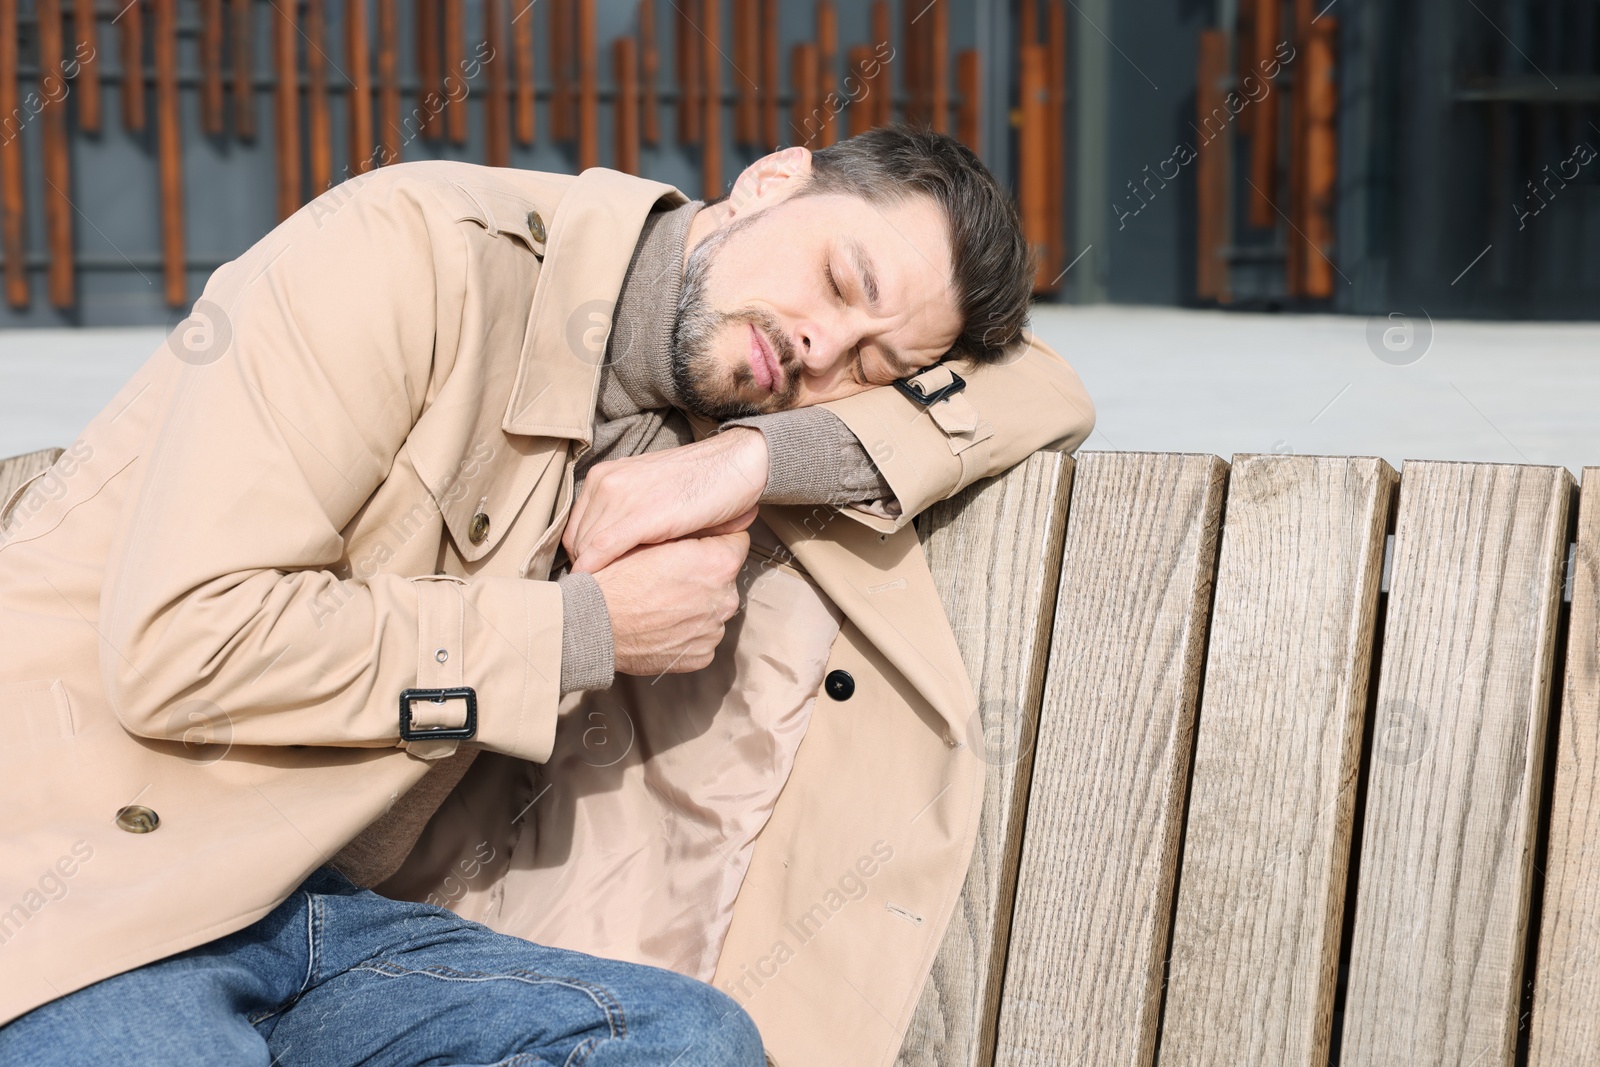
x=438 y=696
x=908 y=386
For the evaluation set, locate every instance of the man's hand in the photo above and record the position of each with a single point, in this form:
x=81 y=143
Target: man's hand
x=702 y=488
x=668 y=602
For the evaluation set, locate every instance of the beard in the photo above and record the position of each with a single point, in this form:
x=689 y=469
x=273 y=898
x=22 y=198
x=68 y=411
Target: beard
x=705 y=385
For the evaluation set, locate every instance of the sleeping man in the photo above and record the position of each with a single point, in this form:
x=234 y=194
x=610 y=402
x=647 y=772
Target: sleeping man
x=491 y=628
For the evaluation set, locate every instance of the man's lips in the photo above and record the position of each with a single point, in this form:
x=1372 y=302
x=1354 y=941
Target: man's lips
x=763 y=362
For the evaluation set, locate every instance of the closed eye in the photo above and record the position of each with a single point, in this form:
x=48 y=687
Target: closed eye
x=827 y=269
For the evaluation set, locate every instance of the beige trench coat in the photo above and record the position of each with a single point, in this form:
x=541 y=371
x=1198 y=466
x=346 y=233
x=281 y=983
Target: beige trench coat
x=329 y=486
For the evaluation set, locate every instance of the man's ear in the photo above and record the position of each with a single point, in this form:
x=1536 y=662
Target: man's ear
x=770 y=179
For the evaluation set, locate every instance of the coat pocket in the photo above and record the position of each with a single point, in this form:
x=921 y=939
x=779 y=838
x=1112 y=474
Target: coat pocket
x=38 y=710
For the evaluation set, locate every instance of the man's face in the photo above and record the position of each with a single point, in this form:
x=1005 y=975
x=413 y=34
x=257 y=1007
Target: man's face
x=810 y=299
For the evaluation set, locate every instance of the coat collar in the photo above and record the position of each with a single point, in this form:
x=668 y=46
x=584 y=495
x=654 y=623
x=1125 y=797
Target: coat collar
x=591 y=241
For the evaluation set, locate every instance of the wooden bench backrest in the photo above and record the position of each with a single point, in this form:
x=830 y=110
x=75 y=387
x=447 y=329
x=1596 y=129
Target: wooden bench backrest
x=1366 y=773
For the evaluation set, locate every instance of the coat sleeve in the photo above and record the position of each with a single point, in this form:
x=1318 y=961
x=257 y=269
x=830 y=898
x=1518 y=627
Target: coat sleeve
x=223 y=601
x=1007 y=412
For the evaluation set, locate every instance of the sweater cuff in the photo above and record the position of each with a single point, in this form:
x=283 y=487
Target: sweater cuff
x=814 y=458
x=587 y=652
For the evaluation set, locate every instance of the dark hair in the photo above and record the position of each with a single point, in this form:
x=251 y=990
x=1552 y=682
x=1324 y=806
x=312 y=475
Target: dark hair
x=993 y=263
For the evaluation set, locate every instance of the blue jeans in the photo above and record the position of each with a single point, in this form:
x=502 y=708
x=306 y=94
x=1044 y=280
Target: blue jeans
x=337 y=974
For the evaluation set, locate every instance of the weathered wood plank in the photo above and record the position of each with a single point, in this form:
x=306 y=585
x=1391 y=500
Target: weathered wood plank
x=1255 y=940
x=1566 y=991
x=995 y=554
x=1094 y=885
x=1453 y=786
x=14 y=470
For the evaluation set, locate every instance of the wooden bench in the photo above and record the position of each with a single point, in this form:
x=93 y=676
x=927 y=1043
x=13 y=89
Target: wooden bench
x=1292 y=762
x=1289 y=761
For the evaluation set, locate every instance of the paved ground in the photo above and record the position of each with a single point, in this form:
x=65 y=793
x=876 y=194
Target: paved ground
x=1189 y=381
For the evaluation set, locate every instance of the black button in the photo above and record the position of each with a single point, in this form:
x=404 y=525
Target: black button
x=839 y=685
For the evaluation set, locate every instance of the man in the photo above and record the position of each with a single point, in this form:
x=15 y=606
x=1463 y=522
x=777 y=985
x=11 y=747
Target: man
x=281 y=627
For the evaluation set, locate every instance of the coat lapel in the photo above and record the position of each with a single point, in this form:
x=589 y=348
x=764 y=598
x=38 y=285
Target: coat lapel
x=590 y=245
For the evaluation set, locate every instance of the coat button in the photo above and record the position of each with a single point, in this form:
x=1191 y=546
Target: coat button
x=137 y=819
x=536 y=226
x=479 y=529
x=839 y=685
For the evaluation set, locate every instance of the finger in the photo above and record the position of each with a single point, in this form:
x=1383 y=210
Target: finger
x=733 y=525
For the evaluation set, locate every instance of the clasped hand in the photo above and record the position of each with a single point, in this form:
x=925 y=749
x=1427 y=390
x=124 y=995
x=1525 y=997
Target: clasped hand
x=664 y=534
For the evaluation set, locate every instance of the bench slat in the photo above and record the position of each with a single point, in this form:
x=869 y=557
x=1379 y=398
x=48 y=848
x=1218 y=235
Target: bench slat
x=995 y=553
x=1255 y=942
x=1457 y=744
x=14 y=470
x=1566 y=992
x=1094 y=888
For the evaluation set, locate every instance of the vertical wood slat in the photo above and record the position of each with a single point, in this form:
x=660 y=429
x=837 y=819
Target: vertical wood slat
x=388 y=83
x=86 y=50
x=1264 y=125
x=57 y=164
x=939 y=67
x=827 y=94
x=319 y=127
x=286 y=108
x=1458 y=748
x=746 y=53
x=1317 y=101
x=1099 y=856
x=455 y=61
x=711 y=84
x=803 y=113
x=429 y=74
x=995 y=554
x=649 y=70
x=169 y=136
x=771 y=135
x=1566 y=992
x=1033 y=179
x=212 y=106
x=558 y=39
x=625 y=124
x=1056 y=123
x=496 y=102
x=969 y=114
x=588 y=87
x=882 y=90
x=13 y=220
x=132 y=45
x=858 y=86
x=244 y=102
x=358 y=113
x=522 y=64
x=1255 y=939
x=1213 y=187
x=687 y=70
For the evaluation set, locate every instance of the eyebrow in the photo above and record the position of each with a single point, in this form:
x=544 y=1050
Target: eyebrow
x=869 y=288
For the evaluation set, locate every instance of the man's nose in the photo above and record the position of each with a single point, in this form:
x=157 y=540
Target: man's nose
x=822 y=346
